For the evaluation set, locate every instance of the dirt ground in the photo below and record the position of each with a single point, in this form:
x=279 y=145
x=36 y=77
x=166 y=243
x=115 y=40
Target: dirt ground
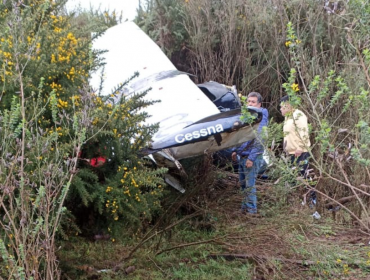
x=283 y=241
x=288 y=243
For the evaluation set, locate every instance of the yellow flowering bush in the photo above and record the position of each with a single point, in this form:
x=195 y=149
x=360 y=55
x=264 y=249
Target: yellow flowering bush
x=66 y=153
x=117 y=185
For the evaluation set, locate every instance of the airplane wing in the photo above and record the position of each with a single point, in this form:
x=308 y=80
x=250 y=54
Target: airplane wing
x=130 y=50
x=190 y=124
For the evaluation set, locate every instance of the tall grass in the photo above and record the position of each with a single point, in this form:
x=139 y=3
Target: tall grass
x=249 y=43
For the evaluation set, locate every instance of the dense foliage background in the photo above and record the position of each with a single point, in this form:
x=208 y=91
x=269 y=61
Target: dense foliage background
x=316 y=51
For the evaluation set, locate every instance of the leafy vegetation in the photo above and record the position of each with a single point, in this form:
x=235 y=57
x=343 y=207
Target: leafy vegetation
x=70 y=172
x=314 y=51
x=283 y=243
x=69 y=157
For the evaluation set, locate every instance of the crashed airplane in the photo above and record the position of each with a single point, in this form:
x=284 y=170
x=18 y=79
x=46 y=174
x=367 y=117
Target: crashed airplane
x=193 y=119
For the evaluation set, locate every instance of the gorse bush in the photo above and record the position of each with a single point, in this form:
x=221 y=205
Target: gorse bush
x=47 y=47
x=114 y=185
x=37 y=165
x=69 y=156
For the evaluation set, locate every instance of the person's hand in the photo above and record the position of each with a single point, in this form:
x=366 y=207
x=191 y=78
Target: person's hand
x=233 y=156
x=297 y=153
x=249 y=163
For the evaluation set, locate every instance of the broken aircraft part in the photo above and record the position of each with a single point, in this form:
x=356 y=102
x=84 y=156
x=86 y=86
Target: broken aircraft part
x=192 y=119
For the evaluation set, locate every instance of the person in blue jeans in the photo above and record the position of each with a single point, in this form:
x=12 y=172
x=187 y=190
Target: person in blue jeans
x=250 y=158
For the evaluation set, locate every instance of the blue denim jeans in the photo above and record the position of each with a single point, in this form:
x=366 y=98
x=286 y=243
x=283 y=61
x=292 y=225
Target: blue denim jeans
x=247 y=179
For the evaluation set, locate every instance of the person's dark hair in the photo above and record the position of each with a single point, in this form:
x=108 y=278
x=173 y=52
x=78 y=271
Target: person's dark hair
x=285 y=99
x=256 y=94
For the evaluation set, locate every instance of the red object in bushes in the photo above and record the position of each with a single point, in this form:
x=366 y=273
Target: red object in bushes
x=98 y=161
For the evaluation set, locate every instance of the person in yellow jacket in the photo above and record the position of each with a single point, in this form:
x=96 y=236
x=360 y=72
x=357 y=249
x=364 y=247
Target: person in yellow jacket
x=296 y=136
x=296 y=139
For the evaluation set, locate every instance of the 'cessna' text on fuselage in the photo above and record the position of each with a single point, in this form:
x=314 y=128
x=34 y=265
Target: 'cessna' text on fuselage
x=181 y=138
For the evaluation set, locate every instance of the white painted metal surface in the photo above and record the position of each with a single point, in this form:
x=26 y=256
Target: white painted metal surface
x=129 y=50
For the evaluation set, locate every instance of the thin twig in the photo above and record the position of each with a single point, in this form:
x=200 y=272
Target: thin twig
x=191 y=244
x=332 y=199
x=158 y=266
x=264 y=258
x=158 y=232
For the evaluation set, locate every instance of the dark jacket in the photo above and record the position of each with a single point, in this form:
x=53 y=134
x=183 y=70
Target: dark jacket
x=251 y=149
